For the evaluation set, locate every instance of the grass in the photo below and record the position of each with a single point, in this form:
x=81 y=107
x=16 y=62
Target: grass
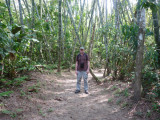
x=113 y=87
x=6 y=94
x=42 y=113
x=18 y=81
x=118 y=91
x=13 y=114
x=34 y=88
x=125 y=104
x=140 y=114
x=110 y=100
x=50 y=110
x=118 y=101
x=149 y=113
x=125 y=92
x=22 y=93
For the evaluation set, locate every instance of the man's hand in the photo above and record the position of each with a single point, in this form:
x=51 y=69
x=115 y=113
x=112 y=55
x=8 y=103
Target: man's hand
x=76 y=73
x=87 y=71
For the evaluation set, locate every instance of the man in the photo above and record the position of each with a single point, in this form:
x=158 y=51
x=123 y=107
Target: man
x=82 y=69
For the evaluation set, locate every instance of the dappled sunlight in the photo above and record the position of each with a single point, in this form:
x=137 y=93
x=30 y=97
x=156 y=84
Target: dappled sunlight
x=68 y=104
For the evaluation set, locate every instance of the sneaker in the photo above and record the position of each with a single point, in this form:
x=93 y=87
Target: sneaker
x=77 y=91
x=86 y=91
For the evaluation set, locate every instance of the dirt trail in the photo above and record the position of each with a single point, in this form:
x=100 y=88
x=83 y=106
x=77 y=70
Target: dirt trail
x=67 y=105
x=56 y=100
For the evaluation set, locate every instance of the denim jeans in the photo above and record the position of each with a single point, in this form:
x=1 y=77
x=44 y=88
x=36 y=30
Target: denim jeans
x=79 y=77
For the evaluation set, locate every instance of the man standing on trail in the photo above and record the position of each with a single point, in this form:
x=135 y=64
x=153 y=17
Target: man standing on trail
x=82 y=69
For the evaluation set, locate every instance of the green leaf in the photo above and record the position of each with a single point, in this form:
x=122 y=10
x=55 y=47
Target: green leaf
x=2 y=25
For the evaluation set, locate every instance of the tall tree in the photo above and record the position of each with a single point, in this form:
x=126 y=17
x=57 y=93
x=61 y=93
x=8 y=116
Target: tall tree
x=9 y=11
x=106 y=44
x=72 y=20
x=16 y=11
x=59 y=35
x=156 y=29
x=20 y=14
x=40 y=4
x=91 y=17
x=139 y=56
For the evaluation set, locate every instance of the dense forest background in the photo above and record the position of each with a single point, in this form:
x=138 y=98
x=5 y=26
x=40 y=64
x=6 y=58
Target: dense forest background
x=120 y=37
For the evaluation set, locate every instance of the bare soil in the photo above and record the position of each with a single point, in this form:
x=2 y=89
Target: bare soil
x=53 y=98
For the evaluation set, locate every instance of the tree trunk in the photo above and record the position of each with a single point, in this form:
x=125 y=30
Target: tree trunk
x=59 y=35
x=129 y=5
x=106 y=46
x=156 y=30
x=40 y=4
x=92 y=12
x=26 y=5
x=9 y=11
x=89 y=53
x=104 y=36
x=20 y=13
x=16 y=10
x=74 y=25
x=139 y=56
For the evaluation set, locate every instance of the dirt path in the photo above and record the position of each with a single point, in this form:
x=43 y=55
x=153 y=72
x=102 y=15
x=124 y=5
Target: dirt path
x=56 y=100
x=63 y=104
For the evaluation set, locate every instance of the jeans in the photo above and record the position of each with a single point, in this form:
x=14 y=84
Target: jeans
x=79 y=77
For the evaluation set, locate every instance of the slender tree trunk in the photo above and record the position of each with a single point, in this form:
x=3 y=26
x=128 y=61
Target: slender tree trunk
x=106 y=46
x=123 y=12
x=32 y=26
x=20 y=14
x=9 y=11
x=49 y=15
x=104 y=36
x=26 y=5
x=129 y=5
x=92 y=12
x=40 y=4
x=139 y=56
x=156 y=30
x=74 y=25
x=127 y=11
x=59 y=35
x=16 y=11
x=89 y=53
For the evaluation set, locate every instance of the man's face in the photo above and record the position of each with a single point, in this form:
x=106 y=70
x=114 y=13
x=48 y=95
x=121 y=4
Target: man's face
x=81 y=51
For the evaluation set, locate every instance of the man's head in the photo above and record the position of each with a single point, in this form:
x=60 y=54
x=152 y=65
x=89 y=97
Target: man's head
x=81 y=50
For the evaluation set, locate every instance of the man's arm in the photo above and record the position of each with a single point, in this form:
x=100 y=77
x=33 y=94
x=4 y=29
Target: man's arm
x=76 y=65
x=88 y=66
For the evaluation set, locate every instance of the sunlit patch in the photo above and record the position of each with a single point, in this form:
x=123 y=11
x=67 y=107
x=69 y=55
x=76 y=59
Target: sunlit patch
x=83 y=95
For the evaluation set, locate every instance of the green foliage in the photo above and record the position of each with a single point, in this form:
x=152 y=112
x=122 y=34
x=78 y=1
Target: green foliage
x=13 y=114
x=156 y=107
x=42 y=113
x=6 y=94
x=110 y=100
x=18 y=81
x=51 y=66
x=149 y=4
x=34 y=88
x=13 y=43
x=156 y=89
x=15 y=82
x=125 y=92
